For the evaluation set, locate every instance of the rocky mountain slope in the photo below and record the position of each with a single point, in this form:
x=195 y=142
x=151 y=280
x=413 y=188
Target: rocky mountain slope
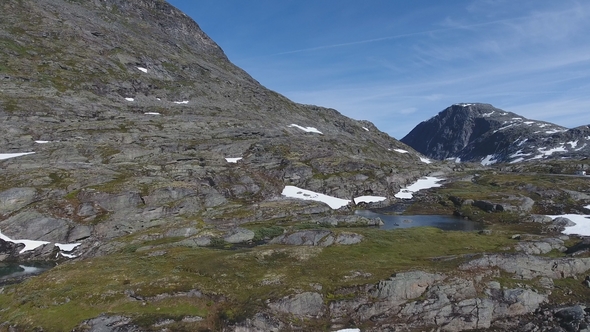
x=483 y=133
x=153 y=171
x=132 y=110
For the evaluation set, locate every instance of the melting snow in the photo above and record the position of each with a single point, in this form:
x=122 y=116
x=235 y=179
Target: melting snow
x=573 y=144
x=365 y=128
x=181 y=102
x=519 y=154
x=233 y=160
x=129 y=99
x=425 y=160
x=488 y=160
x=582 y=224
x=68 y=255
x=333 y=202
x=553 y=131
x=67 y=246
x=400 y=150
x=142 y=69
x=151 y=113
x=13 y=155
x=369 y=199
x=33 y=244
x=29 y=244
x=551 y=151
x=424 y=183
x=306 y=129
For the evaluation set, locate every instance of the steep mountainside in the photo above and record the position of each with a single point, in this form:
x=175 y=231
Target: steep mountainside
x=483 y=133
x=126 y=98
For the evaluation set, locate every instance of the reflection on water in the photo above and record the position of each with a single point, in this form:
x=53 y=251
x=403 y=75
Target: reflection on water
x=13 y=270
x=446 y=223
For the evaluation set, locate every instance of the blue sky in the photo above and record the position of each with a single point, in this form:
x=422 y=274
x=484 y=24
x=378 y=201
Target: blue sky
x=397 y=63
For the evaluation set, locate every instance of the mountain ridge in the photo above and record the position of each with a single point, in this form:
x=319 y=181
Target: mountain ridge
x=477 y=132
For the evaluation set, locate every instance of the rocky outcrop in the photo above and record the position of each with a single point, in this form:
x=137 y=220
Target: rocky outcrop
x=16 y=198
x=481 y=133
x=529 y=267
x=301 y=305
x=322 y=238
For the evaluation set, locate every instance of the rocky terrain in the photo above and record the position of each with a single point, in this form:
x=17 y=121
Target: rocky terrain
x=152 y=172
x=482 y=133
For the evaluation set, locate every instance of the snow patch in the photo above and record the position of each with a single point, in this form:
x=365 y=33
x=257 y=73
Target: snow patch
x=457 y=160
x=573 y=144
x=151 y=113
x=333 y=202
x=487 y=115
x=529 y=122
x=581 y=227
x=67 y=255
x=369 y=199
x=130 y=99
x=580 y=148
x=519 y=154
x=181 y=102
x=524 y=140
x=400 y=150
x=425 y=160
x=67 y=246
x=489 y=160
x=349 y=330
x=29 y=244
x=142 y=69
x=13 y=155
x=551 y=151
x=233 y=160
x=306 y=129
x=587 y=207
x=554 y=131
x=424 y=183
x=366 y=129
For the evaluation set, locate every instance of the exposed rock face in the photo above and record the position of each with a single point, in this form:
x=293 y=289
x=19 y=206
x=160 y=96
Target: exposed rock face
x=304 y=304
x=482 y=133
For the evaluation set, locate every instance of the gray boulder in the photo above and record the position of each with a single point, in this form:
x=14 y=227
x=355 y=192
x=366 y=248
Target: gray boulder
x=239 y=235
x=16 y=198
x=32 y=225
x=106 y=323
x=541 y=247
x=302 y=238
x=303 y=305
x=404 y=286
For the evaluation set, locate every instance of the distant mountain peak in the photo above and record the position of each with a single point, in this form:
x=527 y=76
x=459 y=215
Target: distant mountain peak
x=478 y=132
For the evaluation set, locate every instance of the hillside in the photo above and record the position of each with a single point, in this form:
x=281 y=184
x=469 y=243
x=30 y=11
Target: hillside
x=482 y=133
x=148 y=184
x=131 y=99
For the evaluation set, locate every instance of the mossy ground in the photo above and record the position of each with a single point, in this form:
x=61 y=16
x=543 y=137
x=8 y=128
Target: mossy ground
x=61 y=298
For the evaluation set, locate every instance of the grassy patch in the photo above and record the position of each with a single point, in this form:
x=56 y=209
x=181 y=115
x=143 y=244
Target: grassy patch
x=246 y=277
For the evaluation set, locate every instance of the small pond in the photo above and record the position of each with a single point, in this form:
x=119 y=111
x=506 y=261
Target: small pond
x=10 y=271
x=446 y=223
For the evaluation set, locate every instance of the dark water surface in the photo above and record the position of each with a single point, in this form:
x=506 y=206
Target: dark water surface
x=15 y=270
x=446 y=223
